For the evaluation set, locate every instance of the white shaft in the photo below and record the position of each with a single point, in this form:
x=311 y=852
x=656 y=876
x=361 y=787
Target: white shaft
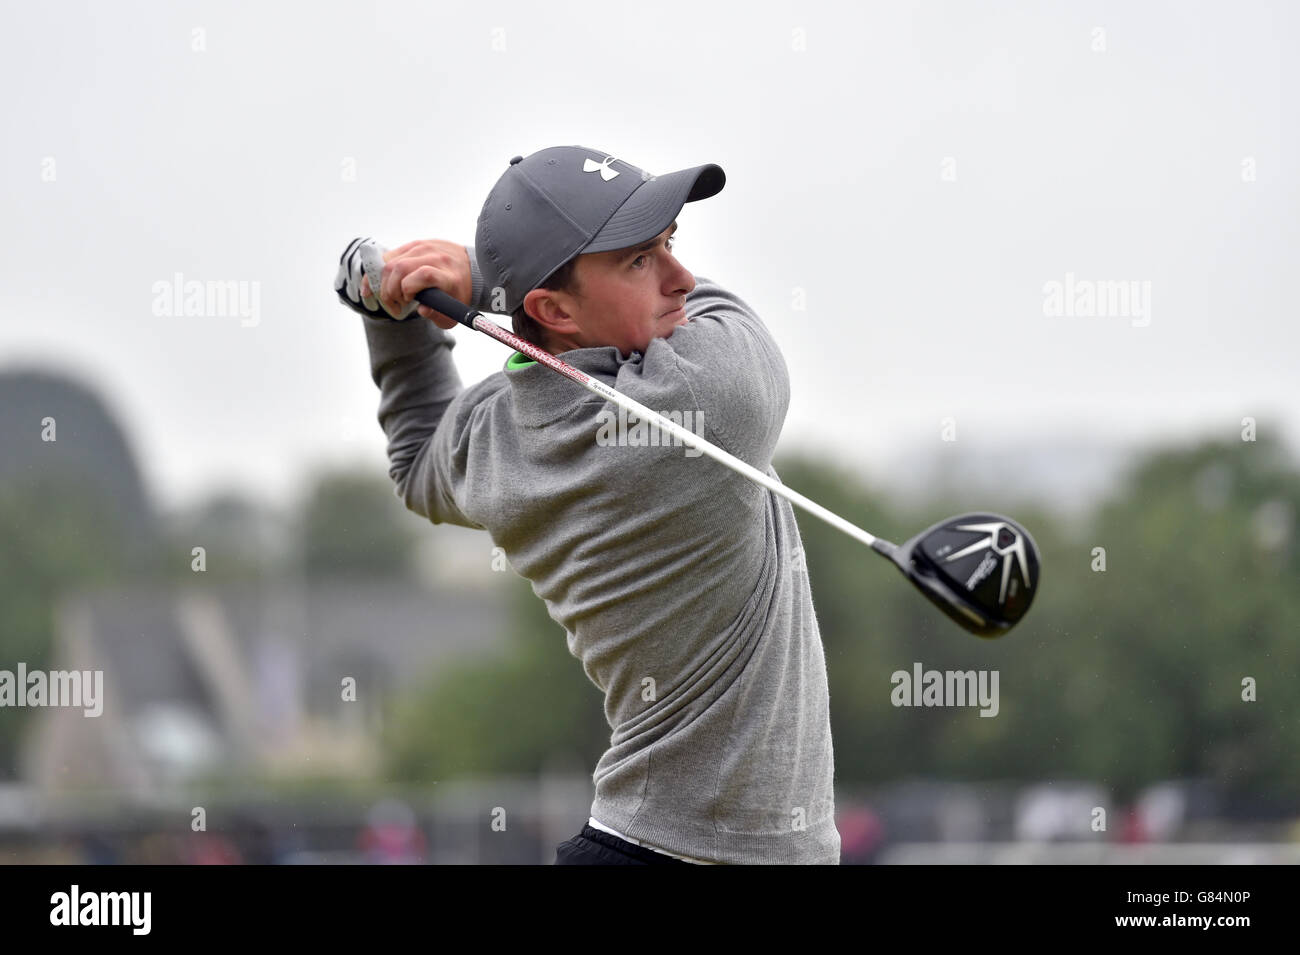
x=483 y=324
x=731 y=461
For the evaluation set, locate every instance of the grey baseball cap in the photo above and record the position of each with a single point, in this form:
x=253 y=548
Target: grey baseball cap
x=569 y=200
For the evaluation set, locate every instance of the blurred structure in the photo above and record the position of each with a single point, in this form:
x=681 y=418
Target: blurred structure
x=247 y=680
x=54 y=431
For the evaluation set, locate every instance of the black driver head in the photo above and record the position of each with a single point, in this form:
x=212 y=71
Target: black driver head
x=979 y=569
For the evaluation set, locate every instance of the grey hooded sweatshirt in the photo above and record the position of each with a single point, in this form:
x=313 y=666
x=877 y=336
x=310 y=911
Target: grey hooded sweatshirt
x=681 y=585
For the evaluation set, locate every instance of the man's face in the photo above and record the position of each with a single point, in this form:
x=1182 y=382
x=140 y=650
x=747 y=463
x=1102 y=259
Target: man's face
x=625 y=298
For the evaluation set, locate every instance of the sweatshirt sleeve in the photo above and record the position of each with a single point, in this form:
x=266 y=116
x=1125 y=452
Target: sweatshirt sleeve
x=734 y=371
x=411 y=363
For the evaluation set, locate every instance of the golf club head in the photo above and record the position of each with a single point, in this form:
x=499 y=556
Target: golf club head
x=980 y=569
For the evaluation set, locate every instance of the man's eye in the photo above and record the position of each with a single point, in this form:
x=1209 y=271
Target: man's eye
x=668 y=243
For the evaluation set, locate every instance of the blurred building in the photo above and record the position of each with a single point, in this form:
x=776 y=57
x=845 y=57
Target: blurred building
x=57 y=434
x=273 y=680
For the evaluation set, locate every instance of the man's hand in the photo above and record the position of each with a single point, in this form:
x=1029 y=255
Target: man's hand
x=361 y=259
x=422 y=264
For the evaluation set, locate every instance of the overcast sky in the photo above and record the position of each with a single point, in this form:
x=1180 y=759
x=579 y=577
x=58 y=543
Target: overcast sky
x=916 y=174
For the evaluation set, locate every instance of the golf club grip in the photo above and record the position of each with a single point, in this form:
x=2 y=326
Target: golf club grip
x=440 y=301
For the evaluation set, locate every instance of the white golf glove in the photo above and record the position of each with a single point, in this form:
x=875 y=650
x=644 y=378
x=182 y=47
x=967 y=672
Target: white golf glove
x=365 y=257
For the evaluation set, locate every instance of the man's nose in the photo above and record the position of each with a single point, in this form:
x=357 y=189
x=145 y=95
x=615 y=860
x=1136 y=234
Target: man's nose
x=682 y=279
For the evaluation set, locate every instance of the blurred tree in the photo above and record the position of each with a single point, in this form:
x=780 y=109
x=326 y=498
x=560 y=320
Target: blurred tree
x=1199 y=594
x=353 y=523
x=1125 y=676
x=511 y=714
x=241 y=540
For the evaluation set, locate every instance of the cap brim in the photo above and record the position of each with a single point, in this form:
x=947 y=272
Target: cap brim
x=654 y=205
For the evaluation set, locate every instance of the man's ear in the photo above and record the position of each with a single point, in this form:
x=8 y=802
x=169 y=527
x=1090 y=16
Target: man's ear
x=551 y=310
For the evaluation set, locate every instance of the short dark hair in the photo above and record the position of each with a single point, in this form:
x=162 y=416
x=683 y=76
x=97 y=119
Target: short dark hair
x=563 y=279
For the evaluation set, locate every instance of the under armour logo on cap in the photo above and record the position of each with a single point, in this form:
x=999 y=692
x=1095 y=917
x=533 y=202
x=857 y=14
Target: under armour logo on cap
x=590 y=165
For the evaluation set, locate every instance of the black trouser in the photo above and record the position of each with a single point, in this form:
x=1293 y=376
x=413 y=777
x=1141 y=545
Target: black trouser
x=594 y=847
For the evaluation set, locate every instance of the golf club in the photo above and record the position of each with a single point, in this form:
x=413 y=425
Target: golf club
x=953 y=563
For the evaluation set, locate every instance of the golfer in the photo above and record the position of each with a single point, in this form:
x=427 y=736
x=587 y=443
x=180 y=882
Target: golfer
x=680 y=584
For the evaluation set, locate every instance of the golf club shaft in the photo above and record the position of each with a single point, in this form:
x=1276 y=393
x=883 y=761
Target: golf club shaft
x=440 y=301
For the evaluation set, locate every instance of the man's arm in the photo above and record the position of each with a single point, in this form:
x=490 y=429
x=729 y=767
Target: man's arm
x=733 y=369
x=411 y=363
